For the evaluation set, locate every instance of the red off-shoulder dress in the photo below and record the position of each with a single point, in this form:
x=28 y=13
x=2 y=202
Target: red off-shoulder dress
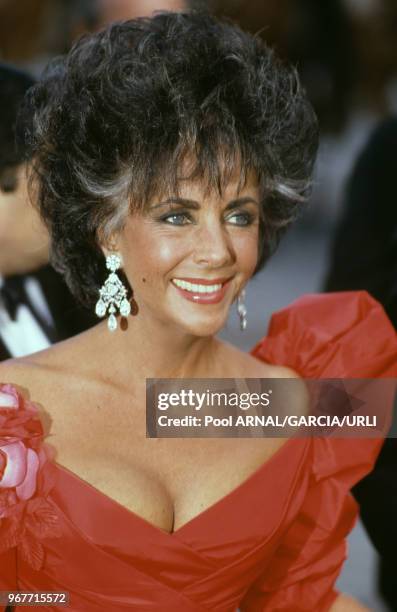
x=275 y=543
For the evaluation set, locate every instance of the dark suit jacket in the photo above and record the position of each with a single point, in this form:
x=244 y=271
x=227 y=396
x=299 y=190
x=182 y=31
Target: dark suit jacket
x=69 y=318
x=364 y=252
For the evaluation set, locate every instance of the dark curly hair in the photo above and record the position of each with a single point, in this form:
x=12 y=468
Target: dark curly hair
x=115 y=119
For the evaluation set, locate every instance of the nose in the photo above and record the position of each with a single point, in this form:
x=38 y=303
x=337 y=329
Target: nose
x=213 y=246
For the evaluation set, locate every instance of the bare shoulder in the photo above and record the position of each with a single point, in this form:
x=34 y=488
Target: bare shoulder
x=21 y=373
x=245 y=365
x=293 y=394
x=43 y=375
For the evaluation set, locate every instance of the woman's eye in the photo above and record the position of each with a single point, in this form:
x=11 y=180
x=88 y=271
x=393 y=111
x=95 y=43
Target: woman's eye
x=176 y=219
x=240 y=219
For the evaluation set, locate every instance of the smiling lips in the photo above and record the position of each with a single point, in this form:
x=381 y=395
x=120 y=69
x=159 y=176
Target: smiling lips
x=202 y=291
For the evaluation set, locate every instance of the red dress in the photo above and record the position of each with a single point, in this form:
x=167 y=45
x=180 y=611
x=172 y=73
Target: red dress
x=275 y=543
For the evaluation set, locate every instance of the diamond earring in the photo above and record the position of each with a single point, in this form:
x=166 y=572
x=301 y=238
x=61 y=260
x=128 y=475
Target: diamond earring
x=113 y=294
x=242 y=309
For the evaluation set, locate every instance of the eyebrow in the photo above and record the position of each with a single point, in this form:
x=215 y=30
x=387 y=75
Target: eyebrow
x=193 y=204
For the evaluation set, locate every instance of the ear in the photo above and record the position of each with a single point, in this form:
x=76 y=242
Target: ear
x=109 y=244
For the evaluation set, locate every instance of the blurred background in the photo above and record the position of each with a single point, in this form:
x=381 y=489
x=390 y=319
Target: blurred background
x=346 y=54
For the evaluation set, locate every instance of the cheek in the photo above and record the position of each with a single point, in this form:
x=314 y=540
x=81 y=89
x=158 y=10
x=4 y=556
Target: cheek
x=147 y=260
x=246 y=249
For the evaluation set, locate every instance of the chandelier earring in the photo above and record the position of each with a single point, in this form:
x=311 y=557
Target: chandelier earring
x=113 y=294
x=242 y=309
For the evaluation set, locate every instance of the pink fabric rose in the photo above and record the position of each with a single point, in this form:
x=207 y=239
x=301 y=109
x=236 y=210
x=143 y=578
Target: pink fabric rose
x=20 y=469
x=20 y=431
x=8 y=397
x=26 y=516
x=18 y=417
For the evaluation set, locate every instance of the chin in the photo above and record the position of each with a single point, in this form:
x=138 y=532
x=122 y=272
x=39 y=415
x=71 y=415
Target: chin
x=202 y=328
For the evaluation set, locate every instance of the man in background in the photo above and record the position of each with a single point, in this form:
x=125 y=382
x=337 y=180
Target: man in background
x=364 y=256
x=36 y=308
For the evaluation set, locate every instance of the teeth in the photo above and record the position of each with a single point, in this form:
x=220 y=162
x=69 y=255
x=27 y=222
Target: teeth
x=196 y=288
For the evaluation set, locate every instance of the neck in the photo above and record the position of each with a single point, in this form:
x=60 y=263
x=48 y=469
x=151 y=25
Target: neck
x=156 y=350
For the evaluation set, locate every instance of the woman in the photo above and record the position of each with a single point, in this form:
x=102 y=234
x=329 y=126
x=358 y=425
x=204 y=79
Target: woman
x=170 y=154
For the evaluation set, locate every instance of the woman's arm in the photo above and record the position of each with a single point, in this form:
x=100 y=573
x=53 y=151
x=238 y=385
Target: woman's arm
x=345 y=603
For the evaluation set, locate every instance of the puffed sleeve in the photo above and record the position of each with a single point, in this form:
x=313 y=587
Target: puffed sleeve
x=339 y=335
x=26 y=518
x=308 y=561
x=333 y=335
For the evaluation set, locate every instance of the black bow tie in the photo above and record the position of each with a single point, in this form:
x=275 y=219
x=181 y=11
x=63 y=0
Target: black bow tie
x=12 y=293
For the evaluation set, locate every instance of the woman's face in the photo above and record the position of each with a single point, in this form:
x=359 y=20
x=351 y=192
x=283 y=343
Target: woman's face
x=188 y=257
